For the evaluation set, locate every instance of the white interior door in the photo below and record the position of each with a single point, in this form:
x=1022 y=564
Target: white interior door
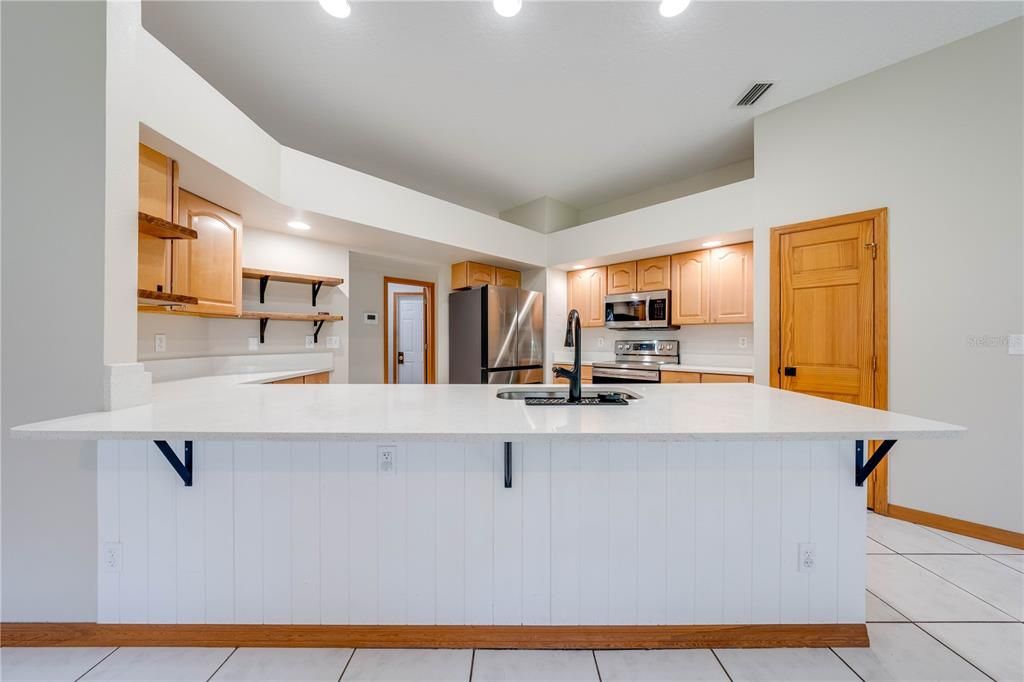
x=411 y=331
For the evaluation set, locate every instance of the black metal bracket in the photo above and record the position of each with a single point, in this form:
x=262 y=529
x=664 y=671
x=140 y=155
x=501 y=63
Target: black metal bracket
x=316 y=290
x=508 y=464
x=183 y=469
x=864 y=470
x=316 y=330
x=263 y=287
x=263 y=328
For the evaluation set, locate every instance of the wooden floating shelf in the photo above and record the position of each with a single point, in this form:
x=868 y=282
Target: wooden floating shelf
x=291 y=277
x=160 y=298
x=163 y=229
x=290 y=317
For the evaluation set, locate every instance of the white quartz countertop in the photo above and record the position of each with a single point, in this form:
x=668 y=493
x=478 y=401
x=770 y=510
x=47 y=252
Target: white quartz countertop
x=187 y=388
x=461 y=412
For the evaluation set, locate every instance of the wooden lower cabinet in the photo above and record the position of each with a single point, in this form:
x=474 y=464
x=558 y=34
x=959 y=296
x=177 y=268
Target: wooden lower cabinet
x=680 y=377
x=318 y=378
x=671 y=377
x=586 y=375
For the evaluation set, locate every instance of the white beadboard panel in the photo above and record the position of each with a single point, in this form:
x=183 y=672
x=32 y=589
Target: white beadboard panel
x=535 y=482
x=589 y=533
x=451 y=534
x=623 y=533
x=219 y=550
x=421 y=525
x=248 y=532
x=334 y=525
x=508 y=537
x=305 y=532
x=652 y=533
x=108 y=528
x=479 y=534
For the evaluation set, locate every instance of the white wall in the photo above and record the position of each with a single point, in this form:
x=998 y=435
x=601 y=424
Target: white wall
x=938 y=140
x=198 y=336
x=53 y=307
x=366 y=361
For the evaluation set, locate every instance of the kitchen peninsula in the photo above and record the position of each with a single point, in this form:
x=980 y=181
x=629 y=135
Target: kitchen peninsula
x=398 y=515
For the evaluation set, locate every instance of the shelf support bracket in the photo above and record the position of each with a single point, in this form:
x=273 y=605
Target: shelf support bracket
x=183 y=469
x=864 y=470
x=508 y=464
x=316 y=330
x=263 y=328
x=263 y=287
x=316 y=290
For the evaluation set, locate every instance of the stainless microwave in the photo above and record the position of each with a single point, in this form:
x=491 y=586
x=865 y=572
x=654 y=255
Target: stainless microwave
x=640 y=310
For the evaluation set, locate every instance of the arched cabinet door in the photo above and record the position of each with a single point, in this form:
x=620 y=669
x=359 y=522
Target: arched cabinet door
x=210 y=266
x=732 y=284
x=690 y=292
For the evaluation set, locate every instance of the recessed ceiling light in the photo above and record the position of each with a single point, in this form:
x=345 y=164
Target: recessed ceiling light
x=297 y=225
x=669 y=8
x=508 y=8
x=578 y=267
x=708 y=245
x=336 y=8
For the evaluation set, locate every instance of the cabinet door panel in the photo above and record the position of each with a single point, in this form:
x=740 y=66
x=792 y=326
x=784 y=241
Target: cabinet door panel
x=319 y=378
x=671 y=377
x=210 y=266
x=732 y=283
x=690 y=291
x=507 y=278
x=478 y=273
x=622 y=278
x=653 y=274
x=586 y=291
x=724 y=379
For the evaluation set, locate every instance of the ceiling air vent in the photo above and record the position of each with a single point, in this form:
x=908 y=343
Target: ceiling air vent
x=753 y=94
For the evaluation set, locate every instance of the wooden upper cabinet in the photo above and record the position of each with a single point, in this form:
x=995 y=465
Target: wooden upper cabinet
x=690 y=292
x=158 y=196
x=507 y=278
x=653 y=273
x=468 y=274
x=732 y=284
x=622 y=278
x=586 y=291
x=210 y=266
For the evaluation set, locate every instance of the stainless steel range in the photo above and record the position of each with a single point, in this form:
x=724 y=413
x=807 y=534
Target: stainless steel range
x=637 y=362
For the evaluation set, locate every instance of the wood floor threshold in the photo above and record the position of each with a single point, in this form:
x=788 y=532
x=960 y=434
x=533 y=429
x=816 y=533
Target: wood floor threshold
x=438 y=636
x=959 y=526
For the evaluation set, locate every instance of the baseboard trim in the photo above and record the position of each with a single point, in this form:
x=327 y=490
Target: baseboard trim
x=438 y=636
x=959 y=526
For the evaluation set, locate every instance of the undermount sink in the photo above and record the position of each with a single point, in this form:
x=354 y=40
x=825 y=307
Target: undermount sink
x=556 y=393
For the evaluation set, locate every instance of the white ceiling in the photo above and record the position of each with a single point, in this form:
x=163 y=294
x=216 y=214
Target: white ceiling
x=581 y=101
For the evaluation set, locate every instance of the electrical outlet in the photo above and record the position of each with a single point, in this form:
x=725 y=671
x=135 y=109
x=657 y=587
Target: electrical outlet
x=600 y=342
x=160 y=343
x=110 y=554
x=333 y=342
x=807 y=555
x=386 y=458
x=254 y=343
x=309 y=341
x=743 y=342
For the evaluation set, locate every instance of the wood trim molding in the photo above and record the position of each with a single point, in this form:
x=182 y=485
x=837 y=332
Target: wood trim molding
x=959 y=526
x=439 y=636
x=879 y=480
x=431 y=327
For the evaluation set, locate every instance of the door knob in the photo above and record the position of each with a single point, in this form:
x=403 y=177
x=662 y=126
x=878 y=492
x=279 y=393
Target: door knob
x=789 y=371
x=401 y=358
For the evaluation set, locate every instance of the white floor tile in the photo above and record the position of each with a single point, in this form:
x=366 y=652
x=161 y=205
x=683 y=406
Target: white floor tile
x=156 y=664
x=909 y=538
x=491 y=665
x=872 y=547
x=409 y=665
x=880 y=612
x=48 y=663
x=1015 y=561
x=784 y=665
x=279 y=665
x=999 y=585
x=980 y=546
x=665 y=665
x=903 y=652
x=996 y=648
x=923 y=596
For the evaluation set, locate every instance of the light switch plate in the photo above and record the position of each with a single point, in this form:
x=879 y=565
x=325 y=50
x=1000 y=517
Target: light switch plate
x=333 y=342
x=309 y=341
x=254 y=343
x=370 y=318
x=1015 y=344
x=160 y=343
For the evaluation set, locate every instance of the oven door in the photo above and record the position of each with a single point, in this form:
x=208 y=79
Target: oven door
x=626 y=311
x=620 y=375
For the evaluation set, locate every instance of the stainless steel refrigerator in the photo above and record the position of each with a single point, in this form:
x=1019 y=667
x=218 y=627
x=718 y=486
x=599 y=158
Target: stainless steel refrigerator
x=495 y=336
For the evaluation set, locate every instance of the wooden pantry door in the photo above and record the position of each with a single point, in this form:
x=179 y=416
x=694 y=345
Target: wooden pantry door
x=829 y=319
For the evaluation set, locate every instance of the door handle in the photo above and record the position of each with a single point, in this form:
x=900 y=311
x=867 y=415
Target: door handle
x=789 y=371
x=401 y=358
